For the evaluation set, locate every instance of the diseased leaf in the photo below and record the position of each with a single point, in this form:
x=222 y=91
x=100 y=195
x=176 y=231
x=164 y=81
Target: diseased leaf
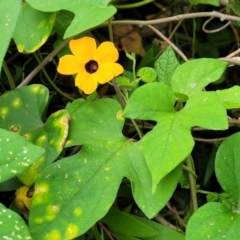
x=9 y=12
x=16 y=154
x=12 y=225
x=83 y=10
x=91 y=178
x=33 y=29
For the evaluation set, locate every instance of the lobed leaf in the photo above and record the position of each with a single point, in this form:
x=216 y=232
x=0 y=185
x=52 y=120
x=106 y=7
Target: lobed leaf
x=90 y=179
x=88 y=14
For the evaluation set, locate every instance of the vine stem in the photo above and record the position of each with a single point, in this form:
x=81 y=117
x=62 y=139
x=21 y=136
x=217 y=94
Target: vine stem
x=192 y=183
x=169 y=42
x=45 y=61
x=134 y=5
x=9 y=76
x=50 y=80
x=221 y=16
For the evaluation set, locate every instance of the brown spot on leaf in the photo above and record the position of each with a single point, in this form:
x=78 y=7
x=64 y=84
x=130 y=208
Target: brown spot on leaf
x=15 y=129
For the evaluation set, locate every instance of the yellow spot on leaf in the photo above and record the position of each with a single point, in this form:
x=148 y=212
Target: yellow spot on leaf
x=119 y=115
x=107 y=178
x=16 y=102
x=34 y=88
x=52 y=18
x=107 y=168
x=4 y=112
x=53 y=235
x=38 y=220
x=20 y=48
x=77 y=211
x=42 y=24
x=72 y=231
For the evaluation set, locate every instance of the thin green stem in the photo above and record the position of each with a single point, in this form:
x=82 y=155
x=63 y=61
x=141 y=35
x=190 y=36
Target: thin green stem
x=192 y=183
x=134 y=5
x=110 y=30
x=203 y=191
x=189 y=170
x=50 y=80
x=9 y=76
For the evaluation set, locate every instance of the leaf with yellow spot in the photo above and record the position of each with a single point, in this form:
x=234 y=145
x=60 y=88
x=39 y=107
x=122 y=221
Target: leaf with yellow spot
x=12 y=225
x=9 y=13
x=17 y=154
x=21 y=109
x=83 y=10
x=51 y=136
x=33 y=29
x=85 y=185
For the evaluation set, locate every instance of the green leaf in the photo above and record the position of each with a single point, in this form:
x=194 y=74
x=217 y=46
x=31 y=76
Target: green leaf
x=33 y=29
x=230 y=97
x=16 y=154
x=164 y=233
x=204 y=110
x=91 y=178
x=12 y=225
x=213 y=221
x=52 y=137
x=126 y=224
x=21 y=109
x=166 y=146
x=192 y=76
x=227 y=167
x=9 y=12
x=147 y=74
x=209 y=2
x=165 y=65
x=88 y=14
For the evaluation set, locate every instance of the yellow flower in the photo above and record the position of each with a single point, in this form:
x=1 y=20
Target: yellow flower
x=91 y=64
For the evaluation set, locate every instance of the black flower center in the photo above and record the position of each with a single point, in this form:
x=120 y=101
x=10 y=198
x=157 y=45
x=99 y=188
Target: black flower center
x=91 y=66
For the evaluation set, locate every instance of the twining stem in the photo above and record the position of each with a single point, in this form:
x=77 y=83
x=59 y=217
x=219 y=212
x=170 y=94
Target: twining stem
x=110 y=30
x=134 y=5
x=50 y=80
x=9 y=76
x=189 y=170
x=221 y=16
x=45 y=61
x=192 y=183
x=169 y=42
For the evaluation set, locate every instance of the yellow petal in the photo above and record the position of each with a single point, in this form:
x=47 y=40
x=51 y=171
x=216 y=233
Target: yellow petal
x=107 y=71
x=83 y=48
x=106 y=52
x=86 y=82
x=69 y=64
